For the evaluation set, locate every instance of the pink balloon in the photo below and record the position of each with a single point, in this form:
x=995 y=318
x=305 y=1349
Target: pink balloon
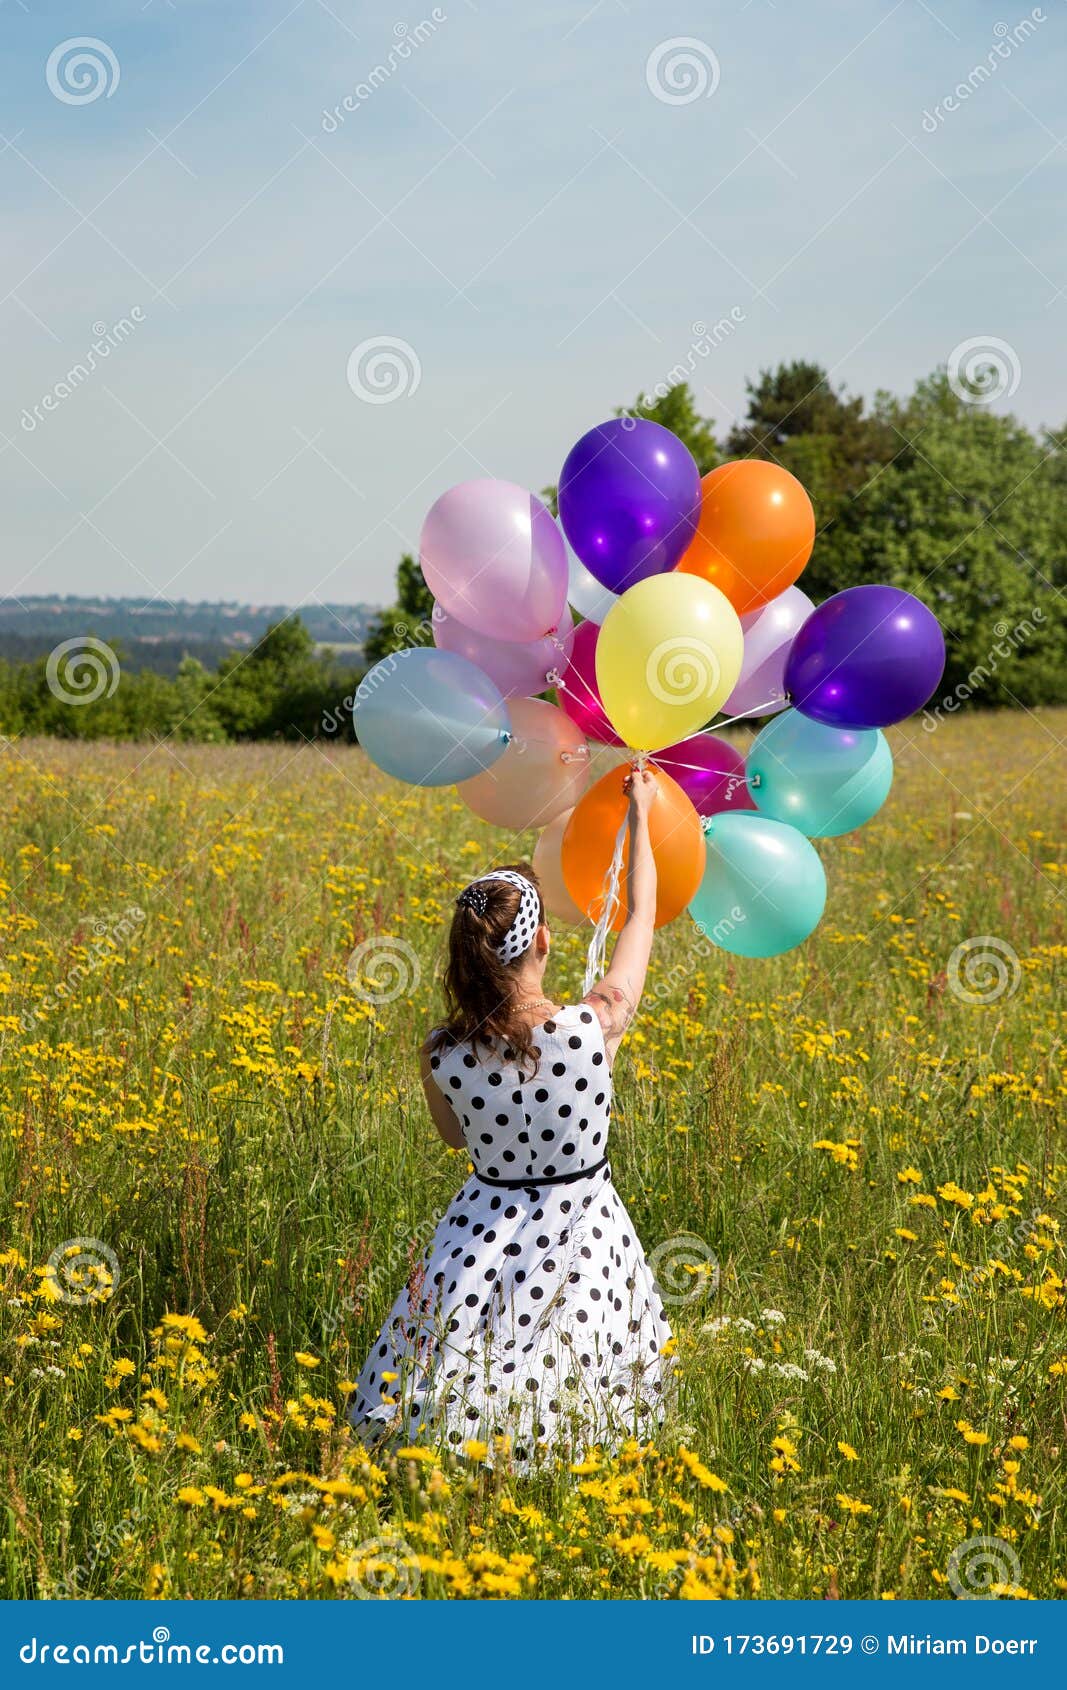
x=493 y=556
x=709 y=771
x=544 y=770
x=769 y=632
x=579 y=694
x=519 y=668
x=548 y=866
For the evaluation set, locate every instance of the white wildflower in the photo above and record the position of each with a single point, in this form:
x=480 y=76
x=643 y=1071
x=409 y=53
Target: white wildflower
x=789 y=1370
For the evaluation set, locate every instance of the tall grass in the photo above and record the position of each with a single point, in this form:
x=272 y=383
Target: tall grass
x=846 y=1169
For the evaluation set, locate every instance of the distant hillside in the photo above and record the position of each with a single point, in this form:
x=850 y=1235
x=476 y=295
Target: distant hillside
x=156 y=635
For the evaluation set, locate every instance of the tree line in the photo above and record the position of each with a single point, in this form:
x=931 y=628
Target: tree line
x=284 y=687
x=933 y=493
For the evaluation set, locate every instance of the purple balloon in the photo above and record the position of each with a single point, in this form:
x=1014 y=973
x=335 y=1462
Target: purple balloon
x=710 y=773
x=520 y=668
x=629 y=499
x=866 y=658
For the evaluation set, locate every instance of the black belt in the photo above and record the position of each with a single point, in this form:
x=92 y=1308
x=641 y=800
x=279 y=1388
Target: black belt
x=546 y=1179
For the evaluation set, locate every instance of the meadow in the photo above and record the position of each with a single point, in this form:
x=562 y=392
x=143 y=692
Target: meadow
x=217 y=1169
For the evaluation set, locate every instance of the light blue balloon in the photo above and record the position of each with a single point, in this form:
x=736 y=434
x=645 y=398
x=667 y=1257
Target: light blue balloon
x=822 y=780
x=430 y=717
x=764 y=888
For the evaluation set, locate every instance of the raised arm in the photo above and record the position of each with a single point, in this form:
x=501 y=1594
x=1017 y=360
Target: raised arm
x=615 y=998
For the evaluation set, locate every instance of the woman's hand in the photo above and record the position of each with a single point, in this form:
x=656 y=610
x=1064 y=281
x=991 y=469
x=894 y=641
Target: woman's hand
x=640 y=788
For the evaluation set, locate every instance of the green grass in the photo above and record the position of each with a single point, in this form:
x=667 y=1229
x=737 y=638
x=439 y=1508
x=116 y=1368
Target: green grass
x=205 y=1092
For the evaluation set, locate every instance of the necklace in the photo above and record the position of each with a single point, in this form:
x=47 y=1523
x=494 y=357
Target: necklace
x=533 y=1003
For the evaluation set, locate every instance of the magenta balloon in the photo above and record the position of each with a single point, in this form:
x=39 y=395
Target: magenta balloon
x=629 y=499
x=579 y=695
x=709 y=771
x=493 y=557
x=769 y=632
x=520 y=668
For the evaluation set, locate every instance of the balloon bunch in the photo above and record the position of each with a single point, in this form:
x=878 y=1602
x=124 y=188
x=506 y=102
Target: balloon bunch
x=687 y=590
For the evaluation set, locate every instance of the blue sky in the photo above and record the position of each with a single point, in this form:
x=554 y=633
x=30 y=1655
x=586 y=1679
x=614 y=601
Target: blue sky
x=512 y=200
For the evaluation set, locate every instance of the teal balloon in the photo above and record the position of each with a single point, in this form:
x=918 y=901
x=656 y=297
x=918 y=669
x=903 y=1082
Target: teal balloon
x=764 y=888
x=430 y=717
x=822 y=780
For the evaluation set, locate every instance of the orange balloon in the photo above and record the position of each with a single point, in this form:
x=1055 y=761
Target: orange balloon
x=755 y=533
x=549 y=871
x=589 y=842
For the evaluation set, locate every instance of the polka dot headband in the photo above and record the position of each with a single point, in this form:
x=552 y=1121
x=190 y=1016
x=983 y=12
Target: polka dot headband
x=519 y=936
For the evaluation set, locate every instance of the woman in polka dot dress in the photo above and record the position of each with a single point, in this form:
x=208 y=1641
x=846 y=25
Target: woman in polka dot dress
x=534 y=1315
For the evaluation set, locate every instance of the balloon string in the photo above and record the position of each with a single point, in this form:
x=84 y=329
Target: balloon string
x=745 y=714
x=519 y=743
x=563 y=686
x=728 y=721
x=699 y=769
x=596 y=956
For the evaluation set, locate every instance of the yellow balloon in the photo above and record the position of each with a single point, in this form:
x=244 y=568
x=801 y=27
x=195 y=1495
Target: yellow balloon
x=668 y=656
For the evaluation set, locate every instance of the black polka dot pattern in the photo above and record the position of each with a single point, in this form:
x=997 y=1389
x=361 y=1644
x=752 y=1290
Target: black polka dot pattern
x=533 y=1315
x=520 y=935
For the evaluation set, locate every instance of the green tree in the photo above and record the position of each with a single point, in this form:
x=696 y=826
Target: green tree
x=283 y=688
x=971 y=518
x=405 y=623
x=194 y=715
x=833 y=445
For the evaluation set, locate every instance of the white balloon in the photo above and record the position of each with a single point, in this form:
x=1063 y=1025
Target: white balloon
x=769 y=632
x=589 y=598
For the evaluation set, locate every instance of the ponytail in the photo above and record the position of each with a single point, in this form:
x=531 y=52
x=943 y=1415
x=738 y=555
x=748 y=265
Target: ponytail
x=479 y=988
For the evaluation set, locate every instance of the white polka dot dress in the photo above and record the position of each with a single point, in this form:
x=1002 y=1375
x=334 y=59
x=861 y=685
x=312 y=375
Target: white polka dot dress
x=534 y=1314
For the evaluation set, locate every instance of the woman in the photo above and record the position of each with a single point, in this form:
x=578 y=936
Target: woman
x=534 y=1316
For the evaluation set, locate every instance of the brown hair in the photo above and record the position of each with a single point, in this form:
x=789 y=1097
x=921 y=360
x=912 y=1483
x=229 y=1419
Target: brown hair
x=479 y=988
